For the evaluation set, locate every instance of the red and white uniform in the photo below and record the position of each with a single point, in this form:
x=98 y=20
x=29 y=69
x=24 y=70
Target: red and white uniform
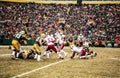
x=79 y=50
x=60 y=39
x=50 y=43
x=61 y=42
x=81 y=39
x=57 y=36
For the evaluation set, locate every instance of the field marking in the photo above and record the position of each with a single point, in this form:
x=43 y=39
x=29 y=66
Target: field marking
x=34 y=70
x=5 y=54
x=118 y=59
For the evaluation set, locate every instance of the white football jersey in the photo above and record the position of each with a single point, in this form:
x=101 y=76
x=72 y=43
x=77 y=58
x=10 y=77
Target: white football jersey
x=61 y=39
x=77 y=49
x=49 y=39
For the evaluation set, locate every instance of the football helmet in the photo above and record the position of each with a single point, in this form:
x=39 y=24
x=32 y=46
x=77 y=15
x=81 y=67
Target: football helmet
x=22 y=32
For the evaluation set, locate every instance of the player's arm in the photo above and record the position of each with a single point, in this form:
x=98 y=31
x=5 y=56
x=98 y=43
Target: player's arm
x=28 y=38
x=43 y=42
x=25 y=38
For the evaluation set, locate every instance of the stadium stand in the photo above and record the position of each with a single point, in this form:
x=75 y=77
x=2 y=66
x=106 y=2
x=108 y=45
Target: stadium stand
x=97 y=22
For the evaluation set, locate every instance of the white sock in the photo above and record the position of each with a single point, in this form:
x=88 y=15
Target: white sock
x=59 y=55
x=35 y=57
x=88 y=56
x=65 y=53
x=17 y=55
x=13 y=53
x=83 y=57
x=38 y=57
x=48 y=54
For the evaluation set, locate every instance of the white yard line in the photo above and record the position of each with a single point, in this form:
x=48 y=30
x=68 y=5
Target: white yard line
x=5 y=55
x=34 y=70
x=118 y=59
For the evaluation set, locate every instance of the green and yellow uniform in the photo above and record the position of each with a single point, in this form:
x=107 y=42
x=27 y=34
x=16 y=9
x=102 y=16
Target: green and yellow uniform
x=16 y=43
x=37 y=48
x=71 y=41
x=16 y=40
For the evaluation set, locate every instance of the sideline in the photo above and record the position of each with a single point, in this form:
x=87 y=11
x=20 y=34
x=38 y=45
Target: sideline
x=34 y=70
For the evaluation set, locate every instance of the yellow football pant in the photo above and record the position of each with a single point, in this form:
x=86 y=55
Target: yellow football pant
x=37 y=48
x=15 y=44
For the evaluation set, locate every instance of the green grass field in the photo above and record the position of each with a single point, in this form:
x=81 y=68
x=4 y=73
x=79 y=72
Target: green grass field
x=105 y=65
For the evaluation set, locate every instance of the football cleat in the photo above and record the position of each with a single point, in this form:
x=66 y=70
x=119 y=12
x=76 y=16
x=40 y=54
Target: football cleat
x=61 y=58
x=95 y=55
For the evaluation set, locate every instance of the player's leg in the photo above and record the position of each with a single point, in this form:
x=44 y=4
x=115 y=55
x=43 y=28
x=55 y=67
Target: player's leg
x=18 y=49
x=61 y=49
x=35 y=49
x=13 y=49
x=91 y=54
x=15 y=52
x=73 y=55
x=38 y=53
x=83 y=54
x=39 y=56
x=35 y=57
x=55 y=50
x=47 y=51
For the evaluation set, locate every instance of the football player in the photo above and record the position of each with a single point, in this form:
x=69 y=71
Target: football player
x=80 y=51
x=50 y=46
x=90 y=53
x=81 y=39
x=60 y=41
x=27 y=54
x=37 y=48
x=71 y=41
x=87 y=49
x=16 y=43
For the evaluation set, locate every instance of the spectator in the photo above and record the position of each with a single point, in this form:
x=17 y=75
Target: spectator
x=94 y=21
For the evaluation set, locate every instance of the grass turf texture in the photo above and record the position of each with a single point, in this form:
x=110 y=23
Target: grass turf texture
x=101 y=66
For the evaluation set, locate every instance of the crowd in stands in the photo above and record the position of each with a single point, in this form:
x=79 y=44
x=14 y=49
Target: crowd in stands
x=96 y=22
